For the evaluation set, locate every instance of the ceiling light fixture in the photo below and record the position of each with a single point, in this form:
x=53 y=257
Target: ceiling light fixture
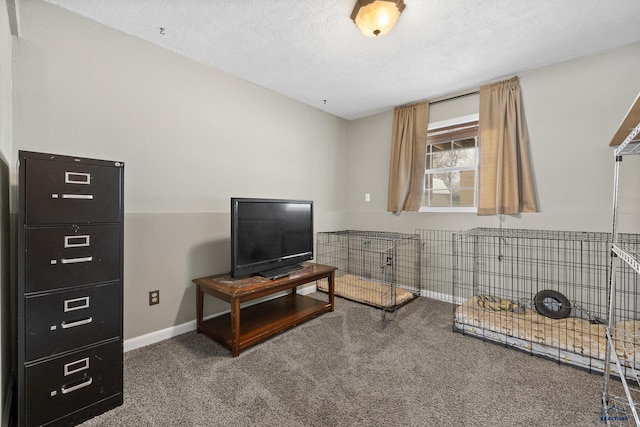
x=376 y=17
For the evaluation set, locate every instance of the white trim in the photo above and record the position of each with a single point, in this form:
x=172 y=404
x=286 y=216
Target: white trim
x=452 y=209
x=451 y=169
x=447 y=209
x=454 y=121
x=442 y=297
x=174 y=331
x=157 y=336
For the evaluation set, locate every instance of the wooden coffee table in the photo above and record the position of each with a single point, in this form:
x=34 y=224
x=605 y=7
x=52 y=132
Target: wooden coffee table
x=249 y=325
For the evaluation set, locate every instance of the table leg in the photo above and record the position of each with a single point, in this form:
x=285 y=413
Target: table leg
x=235 y=326
x=199 y=308
x=331 y=289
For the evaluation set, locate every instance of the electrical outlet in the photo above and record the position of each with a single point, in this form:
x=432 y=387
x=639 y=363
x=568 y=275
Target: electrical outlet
x=154 y=297
x=367 y=197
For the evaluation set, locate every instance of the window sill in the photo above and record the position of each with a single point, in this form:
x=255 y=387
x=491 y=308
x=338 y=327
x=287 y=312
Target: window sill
x=449 y=209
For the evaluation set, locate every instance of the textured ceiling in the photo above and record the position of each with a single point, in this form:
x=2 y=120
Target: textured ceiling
x=311 y=51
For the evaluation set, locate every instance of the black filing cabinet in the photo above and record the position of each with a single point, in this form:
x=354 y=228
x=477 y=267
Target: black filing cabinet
x=69 y=289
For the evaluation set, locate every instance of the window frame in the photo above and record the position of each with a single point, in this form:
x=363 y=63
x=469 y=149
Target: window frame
x=455 y=209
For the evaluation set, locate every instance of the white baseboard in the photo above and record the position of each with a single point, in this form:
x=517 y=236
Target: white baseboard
x=174 y=331
x=442 y=297
x=161 y=335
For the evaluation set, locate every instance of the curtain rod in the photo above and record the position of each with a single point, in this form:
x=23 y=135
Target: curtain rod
x=435 y=102
x=455 y=97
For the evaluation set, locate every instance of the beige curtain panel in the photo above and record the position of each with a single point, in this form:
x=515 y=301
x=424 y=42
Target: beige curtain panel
x=406 y=170
x=506 y=179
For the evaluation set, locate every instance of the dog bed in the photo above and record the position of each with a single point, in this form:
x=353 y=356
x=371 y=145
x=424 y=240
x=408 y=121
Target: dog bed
x=368 y=292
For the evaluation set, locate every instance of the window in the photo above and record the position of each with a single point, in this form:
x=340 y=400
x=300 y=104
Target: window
x=450 y=180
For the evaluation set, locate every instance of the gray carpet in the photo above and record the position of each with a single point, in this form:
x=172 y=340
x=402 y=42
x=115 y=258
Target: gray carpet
x=351 y=368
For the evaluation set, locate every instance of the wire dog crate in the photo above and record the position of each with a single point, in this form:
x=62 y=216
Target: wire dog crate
x=541 y=291
x=436 y=263
x=381 y=269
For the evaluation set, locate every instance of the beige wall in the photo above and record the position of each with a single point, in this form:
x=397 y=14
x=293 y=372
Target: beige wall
x=191 y=137
x=572 y=110
x=5 y=83
x=5 y=152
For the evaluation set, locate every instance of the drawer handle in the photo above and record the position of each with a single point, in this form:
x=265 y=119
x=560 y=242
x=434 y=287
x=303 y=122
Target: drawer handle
x=77 y=366
x=64 y=389
x=78 y=196
x=76 y=304
x=77 y=178
x=77 y=241
x=76 y=260
x=78 y=323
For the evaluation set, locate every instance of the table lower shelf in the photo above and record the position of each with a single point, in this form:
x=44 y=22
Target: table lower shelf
x=261 y=321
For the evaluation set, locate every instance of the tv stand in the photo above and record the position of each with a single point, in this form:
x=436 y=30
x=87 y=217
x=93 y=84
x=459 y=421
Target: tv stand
x=280 y=272
x=246 y=326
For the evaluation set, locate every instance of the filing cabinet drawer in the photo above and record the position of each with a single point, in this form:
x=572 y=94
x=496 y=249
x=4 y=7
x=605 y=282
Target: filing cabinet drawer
x=62 y=321
x=62 y=192
x=69 y=383
x=73 y=255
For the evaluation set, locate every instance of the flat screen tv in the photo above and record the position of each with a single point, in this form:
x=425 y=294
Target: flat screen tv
x=270 y=237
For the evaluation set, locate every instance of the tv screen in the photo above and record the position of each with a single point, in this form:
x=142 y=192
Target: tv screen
x=270 y=237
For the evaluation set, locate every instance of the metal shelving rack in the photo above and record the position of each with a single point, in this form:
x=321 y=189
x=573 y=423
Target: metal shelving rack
x=622 y=346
